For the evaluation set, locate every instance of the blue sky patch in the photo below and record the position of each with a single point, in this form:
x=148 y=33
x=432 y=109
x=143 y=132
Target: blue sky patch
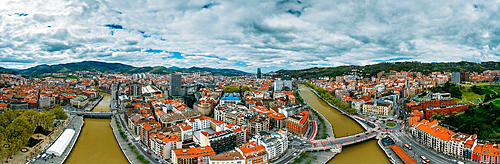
x=21 y=14
x=153 y=51
x=393 y=59
x=241 y=64
x=114 y=26
x=209 y=5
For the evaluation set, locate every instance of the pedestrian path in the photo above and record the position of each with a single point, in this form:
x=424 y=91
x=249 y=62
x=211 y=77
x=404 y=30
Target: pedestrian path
x=129 y=154
x=76 y=124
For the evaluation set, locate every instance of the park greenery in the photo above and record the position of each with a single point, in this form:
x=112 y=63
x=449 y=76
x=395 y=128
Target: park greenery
x=231 y=89
x=483 y=121
x=140 y=157
x=448 y=87
x=304 y=155
x=331 y=99
x=324 y=134
x=17 y=127
x=245 y=88
x=373 y=70
x=298 y=97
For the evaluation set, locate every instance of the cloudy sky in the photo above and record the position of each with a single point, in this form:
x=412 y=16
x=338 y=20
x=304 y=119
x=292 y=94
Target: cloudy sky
x=245 y=35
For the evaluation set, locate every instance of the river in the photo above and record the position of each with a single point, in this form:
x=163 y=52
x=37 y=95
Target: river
x=96 y=143
x=365 y=152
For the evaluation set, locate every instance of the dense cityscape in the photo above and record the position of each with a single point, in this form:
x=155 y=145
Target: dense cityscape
x=249 y=82
x=256 y=118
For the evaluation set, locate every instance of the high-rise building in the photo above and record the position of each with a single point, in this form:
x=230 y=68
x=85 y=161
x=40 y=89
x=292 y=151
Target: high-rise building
x=464 y=76
x=259 y=73
x=455 y=77
x=135 y=90
x=175 y=85
x=280 y=85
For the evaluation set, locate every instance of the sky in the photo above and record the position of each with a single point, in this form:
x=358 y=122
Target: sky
x=246 y=35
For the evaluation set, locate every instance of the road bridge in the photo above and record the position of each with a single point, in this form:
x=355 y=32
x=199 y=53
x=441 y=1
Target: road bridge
x=93 y=114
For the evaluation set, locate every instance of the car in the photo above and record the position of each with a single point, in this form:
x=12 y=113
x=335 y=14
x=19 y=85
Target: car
x=149 y=153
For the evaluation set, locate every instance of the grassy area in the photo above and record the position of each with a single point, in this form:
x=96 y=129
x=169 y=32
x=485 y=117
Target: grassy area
x=496 y=103
x=481 y=121
x=468 y=96
x=96 y=89
x=492 y=87
x=390 y=124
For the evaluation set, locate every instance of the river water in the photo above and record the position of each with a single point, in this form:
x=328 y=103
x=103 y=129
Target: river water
x=365 y=152
x=96 y=143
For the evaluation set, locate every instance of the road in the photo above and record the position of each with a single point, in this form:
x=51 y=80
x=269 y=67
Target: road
x=137 y=143
x=419 y=149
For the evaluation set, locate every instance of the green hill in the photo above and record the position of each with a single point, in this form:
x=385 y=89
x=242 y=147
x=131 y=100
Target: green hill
x=95 y=66
x=372 y=70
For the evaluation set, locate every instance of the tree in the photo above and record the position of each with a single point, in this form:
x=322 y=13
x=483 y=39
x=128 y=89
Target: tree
x=304 y=155
x=32 y=116
x=313 y=157
x=3 y=150
x=145 y=162
x=231 y=89
x=308 y=162
x=18 y=134
x=487 y=97
x=132 y=147
x=298 y=159
x=140 y=157
x=59 y=112
x=46 y=120
x=245 y=88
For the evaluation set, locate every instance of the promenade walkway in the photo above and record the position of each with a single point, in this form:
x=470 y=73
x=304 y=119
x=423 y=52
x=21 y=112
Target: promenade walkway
x=129 y=154
x=76 y=124
x=407 y=159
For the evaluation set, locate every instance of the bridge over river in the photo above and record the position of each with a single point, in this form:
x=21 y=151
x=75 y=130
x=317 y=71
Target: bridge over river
x=105 y=114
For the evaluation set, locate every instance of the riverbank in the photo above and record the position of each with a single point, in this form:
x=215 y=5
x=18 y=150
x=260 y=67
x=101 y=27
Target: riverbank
x=93 y=104
x=129 y=153
x=341 y=111
x=76 y=123
x=385 y=149
x=318 y=128
x=344 y=126
x=97 y=143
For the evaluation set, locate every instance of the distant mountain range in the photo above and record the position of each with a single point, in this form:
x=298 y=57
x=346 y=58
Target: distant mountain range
x=94 y=66
x=367 y=70
x=372 y=70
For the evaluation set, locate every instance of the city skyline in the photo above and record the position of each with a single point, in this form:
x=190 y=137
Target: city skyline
x=271 y=35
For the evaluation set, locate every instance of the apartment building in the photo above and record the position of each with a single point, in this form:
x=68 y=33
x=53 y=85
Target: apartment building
x=253 y=153
x=276 y=143
x=298 y=124
x=198 y=155
x=162 y=145
x=230 y=157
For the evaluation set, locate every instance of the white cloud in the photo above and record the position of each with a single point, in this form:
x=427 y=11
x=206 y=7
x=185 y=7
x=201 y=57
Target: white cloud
x=276 y=34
